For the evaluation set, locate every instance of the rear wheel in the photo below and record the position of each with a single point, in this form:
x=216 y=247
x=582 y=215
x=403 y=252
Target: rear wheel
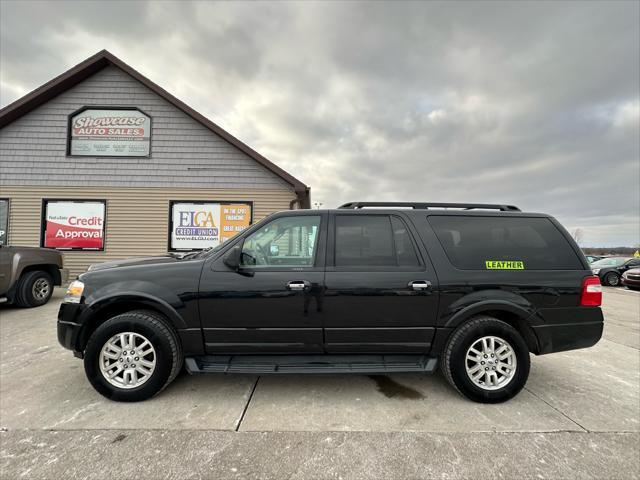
x=35 y=289
x=132 y=356
x=612 y=279
x=486 y=360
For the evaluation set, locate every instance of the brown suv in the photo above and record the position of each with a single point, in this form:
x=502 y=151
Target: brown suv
x=28 y=275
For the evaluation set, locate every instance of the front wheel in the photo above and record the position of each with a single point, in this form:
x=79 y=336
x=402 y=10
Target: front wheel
x=486 y=360
x=132 y=356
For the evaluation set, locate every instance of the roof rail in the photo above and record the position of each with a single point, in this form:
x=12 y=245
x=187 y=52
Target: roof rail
x=428 y=205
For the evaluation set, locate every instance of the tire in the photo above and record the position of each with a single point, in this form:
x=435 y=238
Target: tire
x=34 y=289
x=455 y=364
x=139 y=325
x=612 y=279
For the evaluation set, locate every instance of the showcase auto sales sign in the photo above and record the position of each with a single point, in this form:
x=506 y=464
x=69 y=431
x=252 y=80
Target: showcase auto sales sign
x=96 y=132
x=74 y=225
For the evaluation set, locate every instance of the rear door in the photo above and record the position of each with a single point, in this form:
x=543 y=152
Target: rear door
x=381 y=291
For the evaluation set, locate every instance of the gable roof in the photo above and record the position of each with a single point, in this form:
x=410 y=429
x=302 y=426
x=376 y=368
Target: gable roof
x=102 y=59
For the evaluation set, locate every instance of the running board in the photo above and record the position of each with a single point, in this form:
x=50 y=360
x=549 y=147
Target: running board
x=269 y=364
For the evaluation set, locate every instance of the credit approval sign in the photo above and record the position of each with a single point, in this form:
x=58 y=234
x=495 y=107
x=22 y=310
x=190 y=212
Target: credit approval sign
x=74 y=224
x=114 y=133
x=200 y=225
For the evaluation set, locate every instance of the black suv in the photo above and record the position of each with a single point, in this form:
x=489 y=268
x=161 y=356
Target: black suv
x=401 y=287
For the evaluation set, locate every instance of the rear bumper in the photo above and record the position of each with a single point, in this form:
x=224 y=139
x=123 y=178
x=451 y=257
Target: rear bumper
x=558 y=337
x=69 y=328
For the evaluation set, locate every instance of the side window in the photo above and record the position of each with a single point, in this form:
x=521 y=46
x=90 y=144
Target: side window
x=374 y=241
x=405 y=251
x=479 y=243
x=284 y=242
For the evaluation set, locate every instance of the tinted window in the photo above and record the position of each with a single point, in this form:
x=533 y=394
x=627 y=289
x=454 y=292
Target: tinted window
x=284 y=242
x=528 y=243
x=405 y=251
x=373 y=240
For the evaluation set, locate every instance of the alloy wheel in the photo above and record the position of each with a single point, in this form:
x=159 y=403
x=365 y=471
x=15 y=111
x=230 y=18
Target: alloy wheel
x=491 y=363
x=127 y=360
x=41 y=289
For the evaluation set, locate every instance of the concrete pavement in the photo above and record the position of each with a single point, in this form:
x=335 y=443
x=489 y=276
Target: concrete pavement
x=578 y=417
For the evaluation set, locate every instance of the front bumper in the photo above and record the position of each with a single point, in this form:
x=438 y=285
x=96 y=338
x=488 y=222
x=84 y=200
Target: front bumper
x=69 y=327
x=630 y=281
x=558 y=335
x=64 y=276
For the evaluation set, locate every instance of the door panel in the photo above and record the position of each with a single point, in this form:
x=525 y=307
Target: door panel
x=377 y=312
x=381 y=292
x=273 y=305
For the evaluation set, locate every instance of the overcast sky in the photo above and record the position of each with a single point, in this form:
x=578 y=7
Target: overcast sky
x=532 y=104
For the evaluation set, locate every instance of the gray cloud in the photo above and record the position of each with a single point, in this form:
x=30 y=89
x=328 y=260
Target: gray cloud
x=535 y=104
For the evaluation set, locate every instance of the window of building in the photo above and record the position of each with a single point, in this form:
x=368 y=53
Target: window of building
x=4 y=221
x=373 y=240
x=73 y=224
x=201 y=225
x=283 y=242
x=533 y=243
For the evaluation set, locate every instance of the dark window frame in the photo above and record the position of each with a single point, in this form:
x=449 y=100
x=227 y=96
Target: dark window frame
x=201 y=202
x=107 y=107
x=43 y=223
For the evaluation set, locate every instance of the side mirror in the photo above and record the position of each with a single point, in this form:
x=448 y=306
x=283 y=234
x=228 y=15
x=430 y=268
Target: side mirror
x=232 y=258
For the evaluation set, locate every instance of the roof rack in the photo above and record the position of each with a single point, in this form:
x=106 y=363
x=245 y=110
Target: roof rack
x=427 y=206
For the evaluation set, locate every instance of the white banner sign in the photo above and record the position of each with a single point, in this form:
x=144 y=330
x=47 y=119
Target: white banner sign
x=196 y=226
x=119 y=133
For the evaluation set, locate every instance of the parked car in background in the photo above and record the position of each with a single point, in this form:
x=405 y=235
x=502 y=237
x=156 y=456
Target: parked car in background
x=29 y=274
x=631 y=279
x=610 y=269
x=593 y=258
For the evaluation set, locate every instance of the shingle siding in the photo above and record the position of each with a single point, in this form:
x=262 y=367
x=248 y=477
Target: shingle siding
x=184 y=153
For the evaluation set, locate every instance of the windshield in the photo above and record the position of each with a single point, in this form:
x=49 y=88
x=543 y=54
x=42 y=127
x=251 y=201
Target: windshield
x=610 y=262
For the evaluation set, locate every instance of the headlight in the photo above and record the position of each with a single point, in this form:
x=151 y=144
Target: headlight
x=624 y=275
x=74 y=292
x=595 y=270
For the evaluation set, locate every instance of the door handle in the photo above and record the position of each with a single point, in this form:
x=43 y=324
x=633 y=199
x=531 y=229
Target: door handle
x=420 y=285
x=298 y=285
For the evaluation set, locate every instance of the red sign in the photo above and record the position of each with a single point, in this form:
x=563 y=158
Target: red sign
x=78 y=225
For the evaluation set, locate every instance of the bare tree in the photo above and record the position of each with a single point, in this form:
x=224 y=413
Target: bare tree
x=577 y=235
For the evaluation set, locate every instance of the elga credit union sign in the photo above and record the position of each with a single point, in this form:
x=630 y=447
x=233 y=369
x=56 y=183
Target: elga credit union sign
x=120 y=133
x=74 y=225
x=195 y=225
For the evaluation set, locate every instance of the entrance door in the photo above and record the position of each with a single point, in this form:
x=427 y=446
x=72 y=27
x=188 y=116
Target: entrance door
x=273 y=303
x=380 y=289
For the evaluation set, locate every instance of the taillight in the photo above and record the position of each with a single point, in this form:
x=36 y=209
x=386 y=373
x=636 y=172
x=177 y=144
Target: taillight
x=591 y=294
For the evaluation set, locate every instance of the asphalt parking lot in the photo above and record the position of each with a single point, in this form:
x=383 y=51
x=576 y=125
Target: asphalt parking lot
x=579 y=417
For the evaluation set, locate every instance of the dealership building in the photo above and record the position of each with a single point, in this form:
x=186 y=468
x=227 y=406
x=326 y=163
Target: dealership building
x=102 y=163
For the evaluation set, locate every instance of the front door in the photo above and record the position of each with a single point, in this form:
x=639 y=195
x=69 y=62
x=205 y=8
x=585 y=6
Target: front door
x=273 y=303
x=381 y=294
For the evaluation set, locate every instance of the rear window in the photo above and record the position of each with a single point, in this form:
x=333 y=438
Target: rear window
x=504 y=243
